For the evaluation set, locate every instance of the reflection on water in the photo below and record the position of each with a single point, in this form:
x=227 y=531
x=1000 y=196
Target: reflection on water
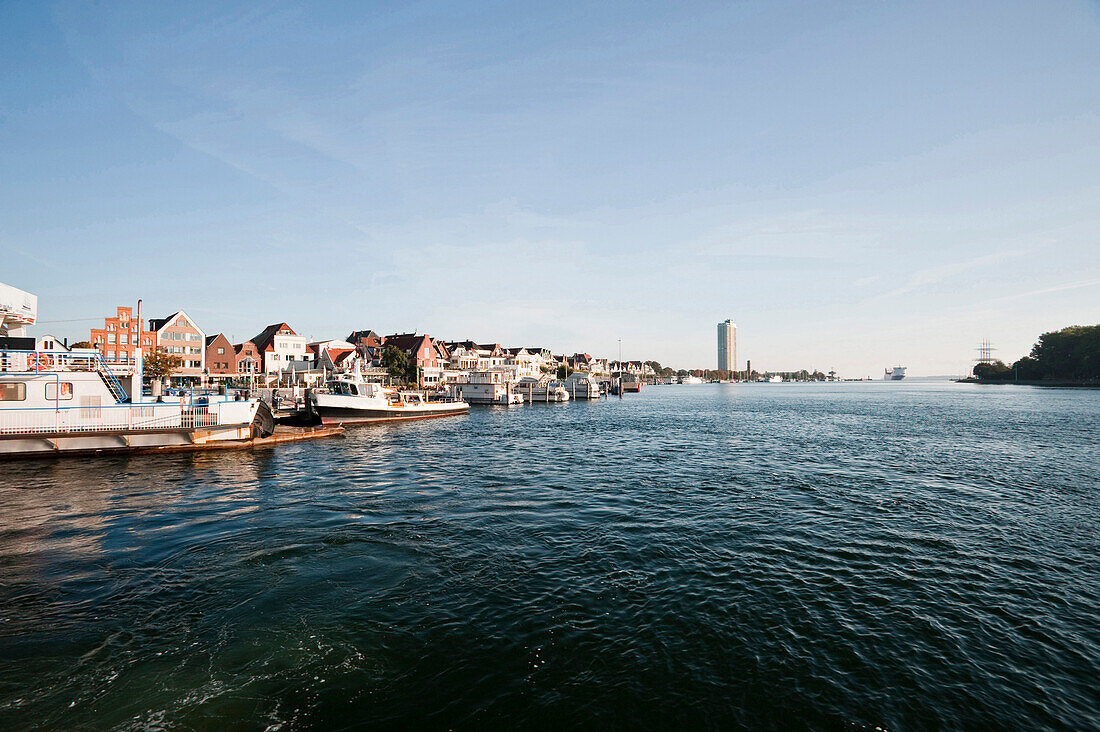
x=899 y=555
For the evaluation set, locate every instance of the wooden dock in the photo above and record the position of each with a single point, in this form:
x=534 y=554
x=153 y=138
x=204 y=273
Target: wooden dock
x=282 y=435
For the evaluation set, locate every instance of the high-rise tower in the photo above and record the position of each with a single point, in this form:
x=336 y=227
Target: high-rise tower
x=727 y=346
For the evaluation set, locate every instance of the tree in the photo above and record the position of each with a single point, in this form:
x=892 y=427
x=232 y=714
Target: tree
x=160 y=364
x=81 y=344
x=396 y=362
x=1070 y=354
x=564 y=371
x=996 y=371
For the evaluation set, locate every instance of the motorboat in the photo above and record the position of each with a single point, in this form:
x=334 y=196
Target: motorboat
x=581 y=385
x=486 y=387
x=349 y=399
x=542 y=390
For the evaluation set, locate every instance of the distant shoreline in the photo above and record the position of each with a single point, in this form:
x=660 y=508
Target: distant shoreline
x=1031 y=382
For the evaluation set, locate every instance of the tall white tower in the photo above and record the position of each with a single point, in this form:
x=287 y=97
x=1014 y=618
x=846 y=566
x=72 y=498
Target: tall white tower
x=727 y=345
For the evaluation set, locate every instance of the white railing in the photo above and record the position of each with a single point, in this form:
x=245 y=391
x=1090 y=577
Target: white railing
x=113 y=418
x=41 y=361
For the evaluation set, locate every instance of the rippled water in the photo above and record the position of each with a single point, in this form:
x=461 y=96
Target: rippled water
x=905 y=556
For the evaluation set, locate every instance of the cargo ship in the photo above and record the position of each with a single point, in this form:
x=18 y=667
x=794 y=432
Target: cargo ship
x=895 y=374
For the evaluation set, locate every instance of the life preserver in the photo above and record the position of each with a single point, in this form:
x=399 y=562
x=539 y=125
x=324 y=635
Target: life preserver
x=38 y=361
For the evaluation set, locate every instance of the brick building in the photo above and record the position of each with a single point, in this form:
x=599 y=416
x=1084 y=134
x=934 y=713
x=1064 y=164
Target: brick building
x=117 y=340
x=178 y=335
x=221 y=357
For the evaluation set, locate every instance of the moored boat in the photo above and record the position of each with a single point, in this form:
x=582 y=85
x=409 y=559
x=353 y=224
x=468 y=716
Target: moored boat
x=486 y=387
x=581 y=385
x=62 y=401
x=348 y=399
x=542 y=390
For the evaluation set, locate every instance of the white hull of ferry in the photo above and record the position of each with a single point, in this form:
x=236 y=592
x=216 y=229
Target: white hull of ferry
x=895 y=374
x=61 y=403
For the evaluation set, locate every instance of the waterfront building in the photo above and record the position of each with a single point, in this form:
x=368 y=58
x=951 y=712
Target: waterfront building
x=281 y=349
x=248 y=358
x=335 y=355
x=727 y=345
x=117 y=340
x=49 y=342
x=178 y=335
x=221 y=357
x=423 y=351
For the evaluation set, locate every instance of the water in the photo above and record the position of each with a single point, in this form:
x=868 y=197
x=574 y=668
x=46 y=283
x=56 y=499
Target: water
x=852 y=556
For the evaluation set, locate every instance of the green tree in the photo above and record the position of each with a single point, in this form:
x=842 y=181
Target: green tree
x=1069 y=354
x=564 y=371
x=996 y=371
x=160 y=364
x=396 y=363
x=81 y=344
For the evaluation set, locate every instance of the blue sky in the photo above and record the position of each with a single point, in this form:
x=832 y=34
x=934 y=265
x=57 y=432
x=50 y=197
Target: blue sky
x=857 y=184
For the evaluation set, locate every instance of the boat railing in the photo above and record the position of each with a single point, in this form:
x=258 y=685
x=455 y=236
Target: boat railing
x=109 y=418
x=49 y=361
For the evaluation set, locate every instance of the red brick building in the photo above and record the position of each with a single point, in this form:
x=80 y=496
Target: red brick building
x=178 y=335
x=221 y=357
x=117 y=340
x=248 y=358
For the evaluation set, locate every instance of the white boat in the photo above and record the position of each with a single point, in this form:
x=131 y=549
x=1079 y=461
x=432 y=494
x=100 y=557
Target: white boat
x=348 y=399
x=581 y=385
x=777 y=379
x=60 y=401
x=895 y=374
x=691 y=380
x=539 y=390
x=485 y=387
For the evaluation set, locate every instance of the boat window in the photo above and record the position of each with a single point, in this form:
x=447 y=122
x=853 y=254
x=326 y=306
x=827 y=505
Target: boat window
x=15 y=392
x=59 y=391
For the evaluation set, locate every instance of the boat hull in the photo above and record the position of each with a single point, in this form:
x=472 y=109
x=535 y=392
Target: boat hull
x=351 y=415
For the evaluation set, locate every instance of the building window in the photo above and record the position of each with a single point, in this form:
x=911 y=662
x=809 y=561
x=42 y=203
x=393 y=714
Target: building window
x=111 y=338
x=124 y=339
x=221 y=351
x=16 y=392
x=111 y=355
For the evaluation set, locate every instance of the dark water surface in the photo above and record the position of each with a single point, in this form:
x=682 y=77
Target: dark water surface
x=907 y=556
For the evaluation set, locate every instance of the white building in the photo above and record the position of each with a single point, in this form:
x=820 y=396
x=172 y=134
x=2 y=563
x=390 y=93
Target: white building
x=282 y=349
x=727 y=345
x=18 y=309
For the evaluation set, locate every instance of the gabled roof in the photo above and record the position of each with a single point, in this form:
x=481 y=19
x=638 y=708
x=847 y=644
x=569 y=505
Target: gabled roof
x=264 y=340
x=156 y=324
x=408 y=342
x=365 y=337
x=210 y=339
x=238 y=347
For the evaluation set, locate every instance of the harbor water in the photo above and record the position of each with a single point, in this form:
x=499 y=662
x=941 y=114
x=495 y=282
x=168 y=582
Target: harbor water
x=833 y=556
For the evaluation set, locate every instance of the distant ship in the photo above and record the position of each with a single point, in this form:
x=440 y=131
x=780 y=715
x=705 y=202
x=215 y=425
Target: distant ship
x=895 y=374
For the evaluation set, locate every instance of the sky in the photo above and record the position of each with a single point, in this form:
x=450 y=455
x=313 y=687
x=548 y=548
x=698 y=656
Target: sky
x=858 y=185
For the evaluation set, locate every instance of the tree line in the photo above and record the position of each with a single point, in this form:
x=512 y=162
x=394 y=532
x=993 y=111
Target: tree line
x=1068 y=355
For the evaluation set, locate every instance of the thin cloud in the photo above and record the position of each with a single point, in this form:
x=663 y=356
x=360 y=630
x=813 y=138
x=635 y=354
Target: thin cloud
x=935 y=275
x=1047 y=290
